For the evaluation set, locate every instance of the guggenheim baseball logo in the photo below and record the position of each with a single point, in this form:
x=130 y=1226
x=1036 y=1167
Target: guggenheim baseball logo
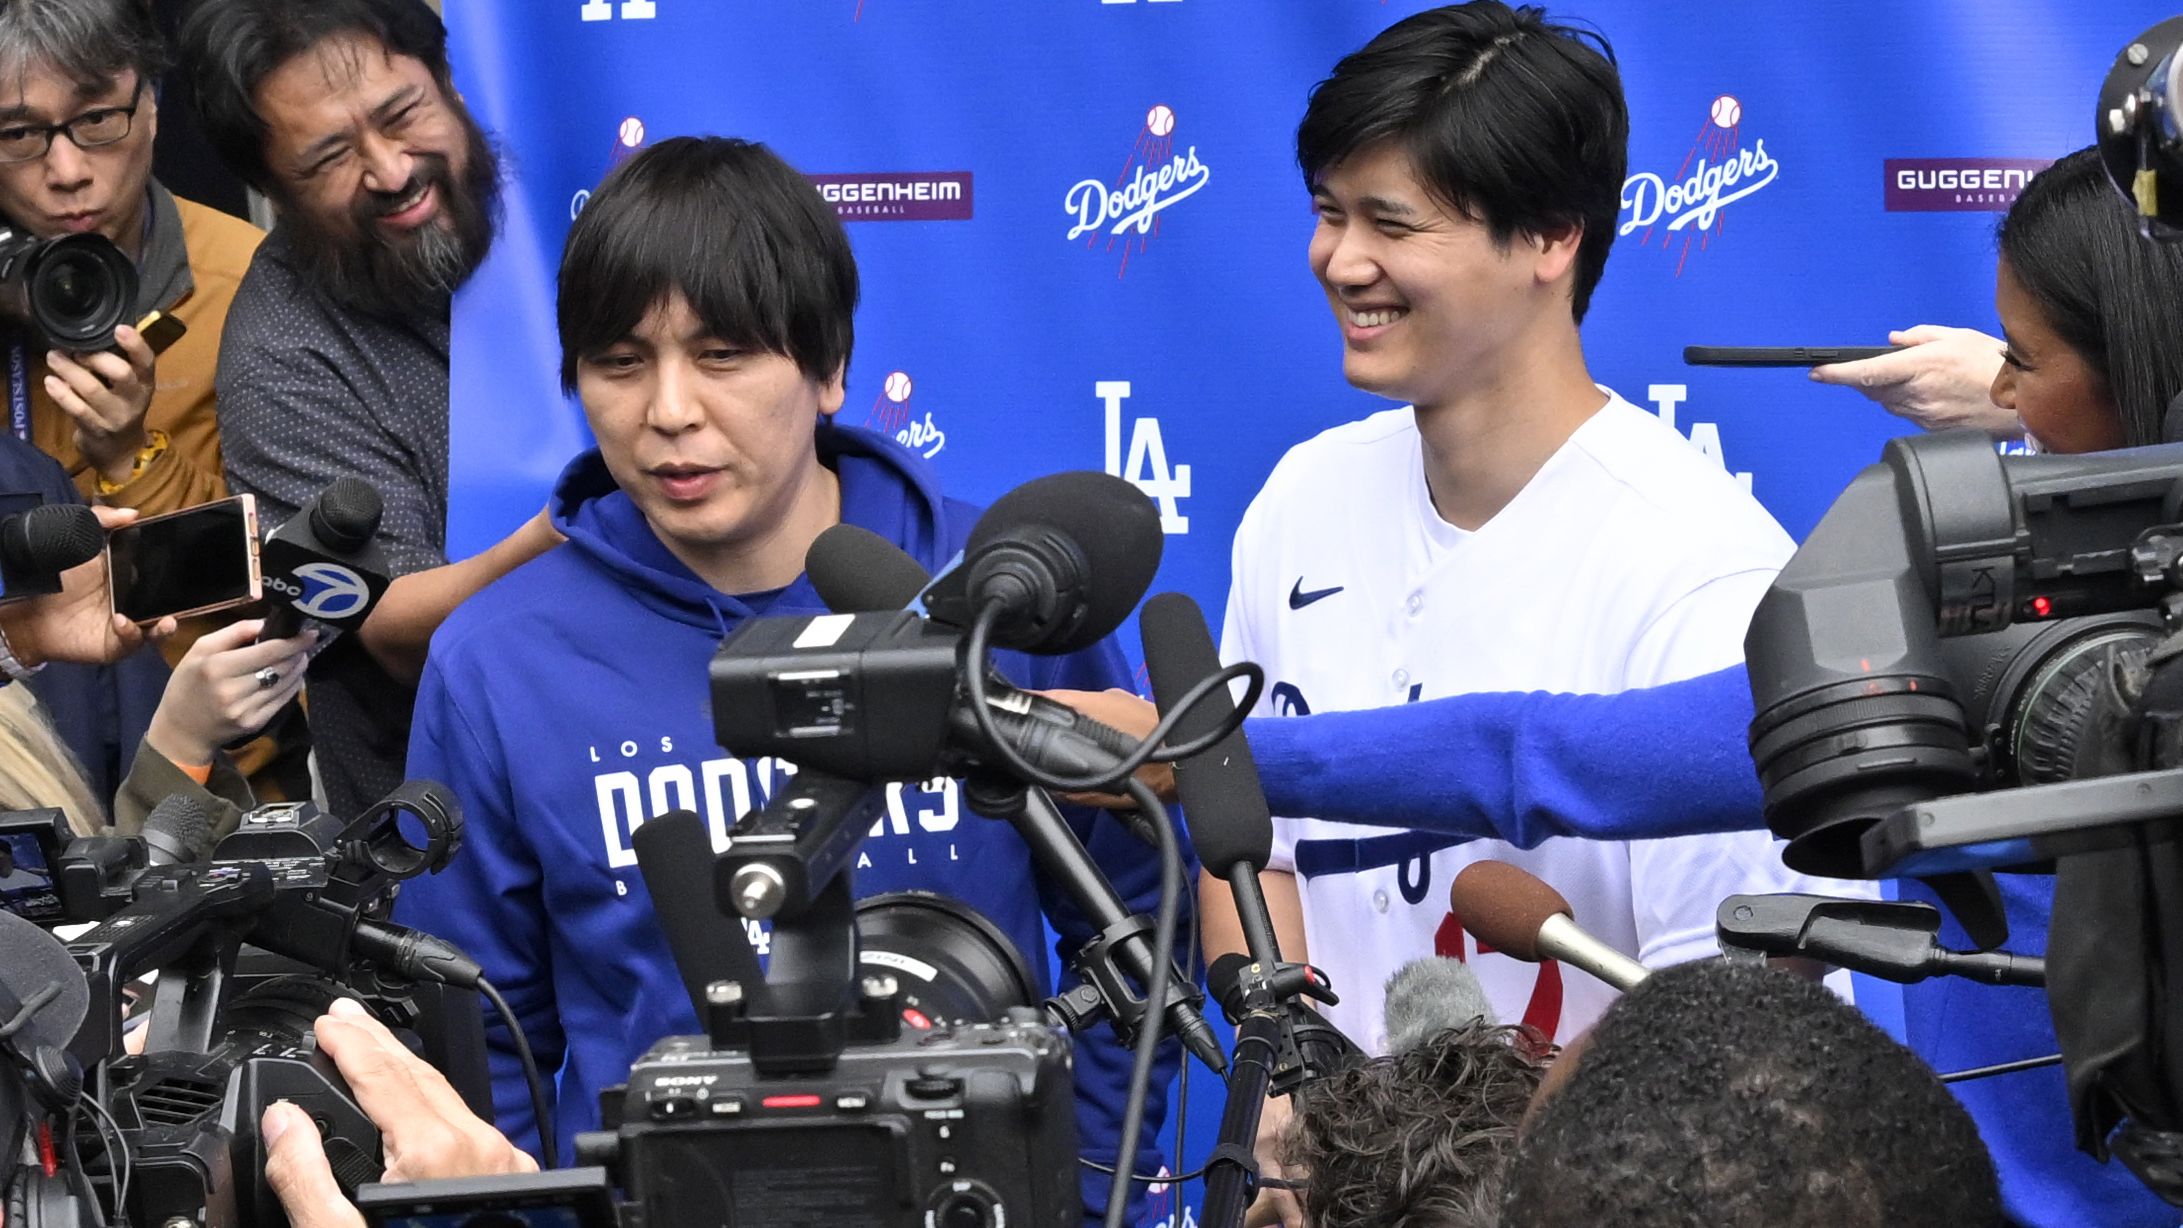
x=1948 y=185
x=1153 y=179
x=898 y=196
x=326 y=590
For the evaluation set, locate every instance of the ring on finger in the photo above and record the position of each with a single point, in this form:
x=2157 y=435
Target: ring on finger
x=267 y=678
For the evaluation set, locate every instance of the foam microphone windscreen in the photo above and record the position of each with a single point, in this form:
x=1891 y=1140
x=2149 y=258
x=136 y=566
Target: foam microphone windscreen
x=1430 y=995
x=346 y=514
x=30 y=960
x=1504 y=906
x=856 y=571
x=178 y=831
x=51 y=538
x=1223 y=803
x=1110 y=524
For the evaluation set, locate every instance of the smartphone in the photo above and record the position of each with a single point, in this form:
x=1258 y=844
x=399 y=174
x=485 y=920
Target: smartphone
x=1779 y=355
x=194 y=561
x=160 y=330
x=560 y=1198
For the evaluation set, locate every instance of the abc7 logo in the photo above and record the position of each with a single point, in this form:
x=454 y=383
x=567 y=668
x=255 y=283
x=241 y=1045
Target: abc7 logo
x=326 y=590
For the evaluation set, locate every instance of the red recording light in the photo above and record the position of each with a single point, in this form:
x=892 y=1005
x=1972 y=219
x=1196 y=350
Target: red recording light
x=791 y=1102
x=2041 y=607
x=916 y=1019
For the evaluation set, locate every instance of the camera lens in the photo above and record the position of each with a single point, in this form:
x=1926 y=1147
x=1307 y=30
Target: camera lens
x=80 y=288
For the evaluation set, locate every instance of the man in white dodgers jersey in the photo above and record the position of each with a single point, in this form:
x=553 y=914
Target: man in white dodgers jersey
x=1513 y=527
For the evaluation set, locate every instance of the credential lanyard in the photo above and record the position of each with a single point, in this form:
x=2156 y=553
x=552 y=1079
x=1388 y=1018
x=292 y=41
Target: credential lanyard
x=19 y=390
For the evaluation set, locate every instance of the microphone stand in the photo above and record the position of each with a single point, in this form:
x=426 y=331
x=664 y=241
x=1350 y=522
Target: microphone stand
x=1279 y=1045
x=1105 y=991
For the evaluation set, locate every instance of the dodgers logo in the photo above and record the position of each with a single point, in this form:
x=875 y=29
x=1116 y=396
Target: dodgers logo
x=1153 y=179
x=1717 y=171
x=892 y=414
x=331 y=591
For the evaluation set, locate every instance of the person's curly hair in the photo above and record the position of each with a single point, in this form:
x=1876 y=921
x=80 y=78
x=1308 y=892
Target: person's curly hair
x=1719 y=1095
x=1416 y=1139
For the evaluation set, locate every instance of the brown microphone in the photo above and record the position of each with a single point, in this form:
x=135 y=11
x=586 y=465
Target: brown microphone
x=1514 y=912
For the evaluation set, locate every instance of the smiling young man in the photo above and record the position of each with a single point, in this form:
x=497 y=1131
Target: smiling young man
x=335 y=363
x=706 y=300
x=1512 y=526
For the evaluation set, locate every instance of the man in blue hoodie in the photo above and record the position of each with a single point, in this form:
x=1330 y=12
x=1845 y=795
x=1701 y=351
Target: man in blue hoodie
x=706 y=300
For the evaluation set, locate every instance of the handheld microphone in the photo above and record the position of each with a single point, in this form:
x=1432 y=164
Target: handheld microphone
x=37 y=545
x=1428 y=996
x=324 y=562
x=854 y=570
x=1065 y=557
x=1512 y=911
x=178 y=831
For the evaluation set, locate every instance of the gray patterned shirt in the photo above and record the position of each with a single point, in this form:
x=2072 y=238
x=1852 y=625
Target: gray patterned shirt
x=309 y=391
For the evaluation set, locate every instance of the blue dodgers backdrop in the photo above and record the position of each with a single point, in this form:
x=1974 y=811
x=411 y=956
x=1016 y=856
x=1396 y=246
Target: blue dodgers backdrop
x=1081 y=229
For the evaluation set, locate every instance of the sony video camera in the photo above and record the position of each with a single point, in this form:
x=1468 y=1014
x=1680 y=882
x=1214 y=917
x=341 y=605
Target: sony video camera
x=251 y=943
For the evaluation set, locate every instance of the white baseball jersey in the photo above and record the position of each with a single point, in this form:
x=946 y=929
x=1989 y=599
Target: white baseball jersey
x=1630 y=559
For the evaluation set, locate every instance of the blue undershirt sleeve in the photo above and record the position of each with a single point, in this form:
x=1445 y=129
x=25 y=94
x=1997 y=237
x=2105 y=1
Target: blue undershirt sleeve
x=1668 y=760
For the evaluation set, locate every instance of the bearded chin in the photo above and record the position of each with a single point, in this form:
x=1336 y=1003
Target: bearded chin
x=370 y=270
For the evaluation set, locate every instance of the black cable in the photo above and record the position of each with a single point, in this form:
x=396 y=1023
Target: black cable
x=971 y=657
x=1148 y=1035
x=549 y=1148
x=1143 y=1178
x=1987 y=1072
x=116 y=1145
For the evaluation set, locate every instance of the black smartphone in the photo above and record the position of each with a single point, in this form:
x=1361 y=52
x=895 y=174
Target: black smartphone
x=559 y=1198
x=193 y=561
x=160 y=330
x=1779 y=355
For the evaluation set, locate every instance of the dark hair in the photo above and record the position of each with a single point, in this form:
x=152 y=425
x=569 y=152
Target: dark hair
x=746 y=240
x=1736 y=1096
x=2115 y=296
x=90 y=42
x=230 y=46
x=1513 y=120
x=1416 y=1139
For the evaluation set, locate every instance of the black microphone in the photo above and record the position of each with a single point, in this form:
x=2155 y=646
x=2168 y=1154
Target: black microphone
x=1222 y=801
x=1894 y=940
x=675 y=855
x=1065 y=557
x=37 y=545
x=178 y=831
x=855 y=570
x=325 y=563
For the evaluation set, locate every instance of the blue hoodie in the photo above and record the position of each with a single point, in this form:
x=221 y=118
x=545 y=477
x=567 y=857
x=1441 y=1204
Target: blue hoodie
x=1672 y=761
x=569 y=701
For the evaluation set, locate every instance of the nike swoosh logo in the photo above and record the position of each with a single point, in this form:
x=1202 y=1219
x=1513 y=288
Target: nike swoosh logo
x=1298 y=598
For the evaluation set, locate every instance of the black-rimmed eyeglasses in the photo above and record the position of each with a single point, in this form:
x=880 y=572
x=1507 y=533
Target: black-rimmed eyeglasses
x=101 y=126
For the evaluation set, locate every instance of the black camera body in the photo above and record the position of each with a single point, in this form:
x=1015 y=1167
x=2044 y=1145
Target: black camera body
x=74 y=289
x=190 y=1120
x=963 y=1125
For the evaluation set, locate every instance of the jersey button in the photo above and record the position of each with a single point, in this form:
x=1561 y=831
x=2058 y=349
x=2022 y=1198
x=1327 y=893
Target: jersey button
x=1379 y=901
x=1416 y=602
x=1402 y=677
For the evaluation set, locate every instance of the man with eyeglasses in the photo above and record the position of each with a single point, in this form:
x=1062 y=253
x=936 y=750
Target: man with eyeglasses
x=78 y=113
x=335 y=362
